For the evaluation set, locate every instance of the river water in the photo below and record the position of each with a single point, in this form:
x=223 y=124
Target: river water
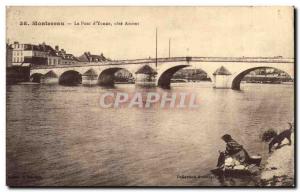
x=60 y=136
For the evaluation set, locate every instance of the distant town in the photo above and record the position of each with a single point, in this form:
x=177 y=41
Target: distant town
x=20 y=57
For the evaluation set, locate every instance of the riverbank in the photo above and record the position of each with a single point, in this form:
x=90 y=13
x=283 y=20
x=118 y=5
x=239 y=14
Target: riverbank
x=16 y=74
x=279 y=169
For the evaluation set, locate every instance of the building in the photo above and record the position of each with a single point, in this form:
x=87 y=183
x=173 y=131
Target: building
x=27 y=54
x=88 y=57
x=9 y=55
x=14 y=74
x=64 y=58
x=69 y=59
x=42 y=54
x=54 y=59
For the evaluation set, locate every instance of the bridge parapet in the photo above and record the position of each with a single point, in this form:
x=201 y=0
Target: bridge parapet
x=176 y=59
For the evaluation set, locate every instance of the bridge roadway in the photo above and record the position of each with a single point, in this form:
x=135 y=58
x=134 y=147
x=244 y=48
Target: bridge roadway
x=225 y=72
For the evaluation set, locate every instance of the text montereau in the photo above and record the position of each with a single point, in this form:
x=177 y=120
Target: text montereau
x=47 y=23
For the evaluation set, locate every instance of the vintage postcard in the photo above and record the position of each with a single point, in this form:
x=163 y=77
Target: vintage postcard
x=150 y=96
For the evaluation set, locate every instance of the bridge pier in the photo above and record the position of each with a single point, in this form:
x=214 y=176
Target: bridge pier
x=145 y=80
x=49 y=80
x=146 y=76
x=89 y=80
x=222 y=82
x=222 y=78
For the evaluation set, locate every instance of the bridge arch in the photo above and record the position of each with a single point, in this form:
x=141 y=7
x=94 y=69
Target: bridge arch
x=166 y=74
x=237 y=78
x=70 y=77
x=164 y=77
x=36 y=77
x=107 y=76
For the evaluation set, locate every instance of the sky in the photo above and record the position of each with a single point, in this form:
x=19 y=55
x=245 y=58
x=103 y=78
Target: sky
x=194 y=31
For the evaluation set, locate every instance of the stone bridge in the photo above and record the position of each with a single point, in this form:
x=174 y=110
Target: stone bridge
x=225 y=72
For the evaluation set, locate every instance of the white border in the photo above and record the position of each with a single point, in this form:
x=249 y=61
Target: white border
x=5 y=3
